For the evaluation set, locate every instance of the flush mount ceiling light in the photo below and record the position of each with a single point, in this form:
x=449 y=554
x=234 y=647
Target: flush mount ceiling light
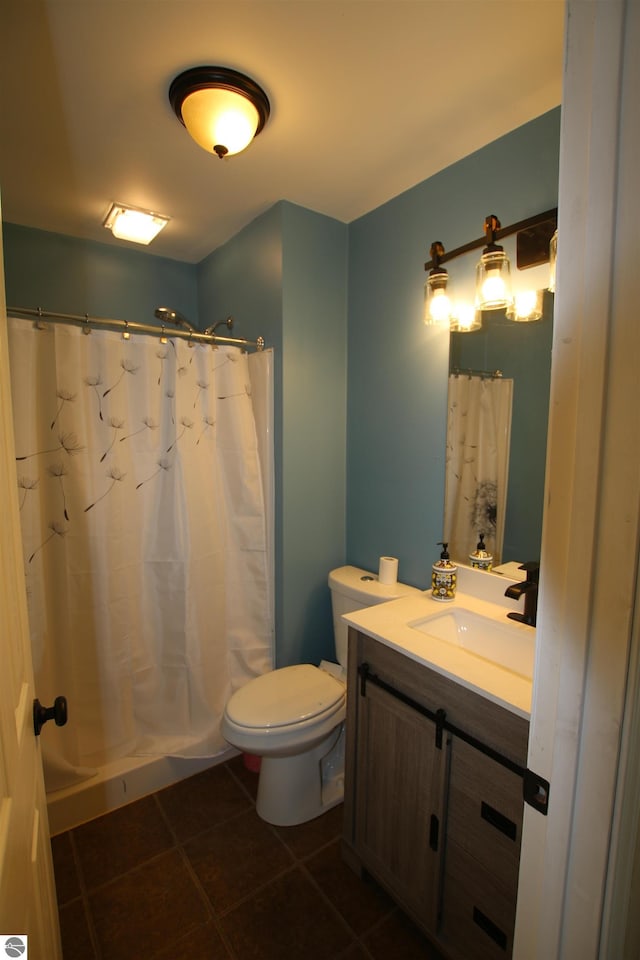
x=222 y=109
x=133 y=223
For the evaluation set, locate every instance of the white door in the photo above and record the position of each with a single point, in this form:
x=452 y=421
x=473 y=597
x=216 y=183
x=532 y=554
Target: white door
x=27 y=890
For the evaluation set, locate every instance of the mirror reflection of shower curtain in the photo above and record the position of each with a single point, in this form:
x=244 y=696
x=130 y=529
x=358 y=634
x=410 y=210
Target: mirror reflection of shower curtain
x=144 y=531
x=477 y=463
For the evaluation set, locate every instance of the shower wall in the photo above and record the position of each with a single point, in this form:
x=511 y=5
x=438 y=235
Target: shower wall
x=67 y=275
x=285 y=276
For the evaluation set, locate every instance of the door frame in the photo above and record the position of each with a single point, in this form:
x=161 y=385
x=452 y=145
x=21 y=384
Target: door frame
x=589 y=563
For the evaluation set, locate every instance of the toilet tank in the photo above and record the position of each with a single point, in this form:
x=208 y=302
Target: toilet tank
x=352 y=589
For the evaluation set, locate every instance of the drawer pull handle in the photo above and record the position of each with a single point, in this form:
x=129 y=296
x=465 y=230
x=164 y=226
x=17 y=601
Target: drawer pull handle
x=490 y=928
x=434 y=832
x=498 y=820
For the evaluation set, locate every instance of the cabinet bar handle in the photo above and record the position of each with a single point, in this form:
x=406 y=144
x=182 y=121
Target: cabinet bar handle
x=434 y=832
x=498 y=820
x=535 y=788
x=490 y=928
x=441 y=718
x=363 y=670
x=367 y=677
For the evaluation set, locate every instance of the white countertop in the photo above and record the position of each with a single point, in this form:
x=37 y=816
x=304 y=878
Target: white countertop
x=389 y=623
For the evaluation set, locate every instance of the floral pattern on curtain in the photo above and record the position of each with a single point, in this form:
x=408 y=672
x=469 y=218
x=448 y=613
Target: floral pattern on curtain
x=143 y=520
x=477 y=463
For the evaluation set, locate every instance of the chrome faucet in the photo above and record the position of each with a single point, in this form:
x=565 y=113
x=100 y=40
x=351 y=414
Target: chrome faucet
x=529 y=589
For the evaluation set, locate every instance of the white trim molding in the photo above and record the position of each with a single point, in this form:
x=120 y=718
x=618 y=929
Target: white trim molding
x=592 y=510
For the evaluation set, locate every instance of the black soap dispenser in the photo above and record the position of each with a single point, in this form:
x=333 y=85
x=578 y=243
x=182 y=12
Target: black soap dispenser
x=481 y=559
x=444 y=576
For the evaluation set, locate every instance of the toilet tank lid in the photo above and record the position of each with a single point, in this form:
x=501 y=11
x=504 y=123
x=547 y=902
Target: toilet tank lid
x=349 y=582
x=285 y=696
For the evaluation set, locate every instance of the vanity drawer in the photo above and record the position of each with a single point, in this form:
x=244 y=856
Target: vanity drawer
x=478 y=915
x=485 y=812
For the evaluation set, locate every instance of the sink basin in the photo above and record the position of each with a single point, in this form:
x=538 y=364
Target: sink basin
x=509 y=646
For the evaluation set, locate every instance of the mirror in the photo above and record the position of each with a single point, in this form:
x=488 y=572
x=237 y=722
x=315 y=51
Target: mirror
x=522 y=353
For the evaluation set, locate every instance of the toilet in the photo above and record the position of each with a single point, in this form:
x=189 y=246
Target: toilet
x=293 y=717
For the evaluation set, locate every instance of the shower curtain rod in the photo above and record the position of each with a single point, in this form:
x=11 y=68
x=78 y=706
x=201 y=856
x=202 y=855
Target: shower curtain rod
x=468 y=372
x=132 y=326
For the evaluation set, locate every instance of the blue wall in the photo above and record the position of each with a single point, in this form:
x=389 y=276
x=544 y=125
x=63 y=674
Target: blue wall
x=359 y=473
x=313 y=428
x=285 y=277
x=66 y=275
x=398 y=368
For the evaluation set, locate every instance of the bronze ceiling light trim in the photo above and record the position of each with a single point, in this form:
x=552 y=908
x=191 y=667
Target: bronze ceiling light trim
x=222 y=109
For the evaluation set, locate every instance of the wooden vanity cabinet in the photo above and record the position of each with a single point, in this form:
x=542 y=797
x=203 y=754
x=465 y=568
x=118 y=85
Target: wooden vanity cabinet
x=398 y=813
x=480 y=883
x=434 y=819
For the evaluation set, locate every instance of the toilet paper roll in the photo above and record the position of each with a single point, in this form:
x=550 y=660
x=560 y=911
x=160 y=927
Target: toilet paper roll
x=388 y=570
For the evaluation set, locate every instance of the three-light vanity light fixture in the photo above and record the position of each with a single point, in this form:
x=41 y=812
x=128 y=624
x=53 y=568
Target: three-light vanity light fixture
x=536 y=243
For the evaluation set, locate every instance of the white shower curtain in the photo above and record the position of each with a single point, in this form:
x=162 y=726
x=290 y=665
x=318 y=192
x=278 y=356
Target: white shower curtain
x=144 y=531
x=477 y=463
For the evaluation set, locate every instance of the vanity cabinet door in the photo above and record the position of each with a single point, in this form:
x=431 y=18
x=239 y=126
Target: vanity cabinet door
x=400 y=783
x=484 y=824
x=438 y=826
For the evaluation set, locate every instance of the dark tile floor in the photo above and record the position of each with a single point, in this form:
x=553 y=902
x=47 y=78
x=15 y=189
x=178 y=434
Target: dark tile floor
x=192 y=873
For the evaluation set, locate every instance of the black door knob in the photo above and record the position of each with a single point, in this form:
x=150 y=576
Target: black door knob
x=57 y=712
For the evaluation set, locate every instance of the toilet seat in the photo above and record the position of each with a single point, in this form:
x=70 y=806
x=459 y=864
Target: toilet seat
x=285 y=697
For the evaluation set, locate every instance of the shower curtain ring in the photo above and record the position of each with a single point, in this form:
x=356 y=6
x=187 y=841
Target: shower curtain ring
x=85 y=327
x=163 y=339
x=125 y=333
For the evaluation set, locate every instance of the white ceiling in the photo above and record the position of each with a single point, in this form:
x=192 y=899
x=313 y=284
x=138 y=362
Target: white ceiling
x=368 y=98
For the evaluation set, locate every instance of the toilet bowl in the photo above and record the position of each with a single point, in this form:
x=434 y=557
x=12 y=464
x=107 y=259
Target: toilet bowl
x=293 y=717
x=286 y=711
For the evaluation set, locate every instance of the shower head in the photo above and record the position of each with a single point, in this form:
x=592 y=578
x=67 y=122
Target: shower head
x=214 y=326
x=167 y=315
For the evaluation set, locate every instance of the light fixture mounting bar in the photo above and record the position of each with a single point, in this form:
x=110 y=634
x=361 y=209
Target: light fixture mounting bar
x=526 y=224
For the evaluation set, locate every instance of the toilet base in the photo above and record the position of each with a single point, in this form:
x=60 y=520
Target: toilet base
x=296 y=789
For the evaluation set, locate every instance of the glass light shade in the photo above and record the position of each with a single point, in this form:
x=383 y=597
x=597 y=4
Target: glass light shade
x=493 y=281
x=134 y=224
x=466 y=318
x=220 y=121
x=437 y=305
x=553 y=256
x=527 y=306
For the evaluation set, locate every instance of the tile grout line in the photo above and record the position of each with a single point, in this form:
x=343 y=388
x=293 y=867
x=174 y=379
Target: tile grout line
x=357 y=938
x=196 y=880
x=84 y=893
x=239 y=782
x=217 y=918
x=300 y=861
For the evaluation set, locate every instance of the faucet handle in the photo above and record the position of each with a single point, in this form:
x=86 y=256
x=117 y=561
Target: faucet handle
x=532 y=569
